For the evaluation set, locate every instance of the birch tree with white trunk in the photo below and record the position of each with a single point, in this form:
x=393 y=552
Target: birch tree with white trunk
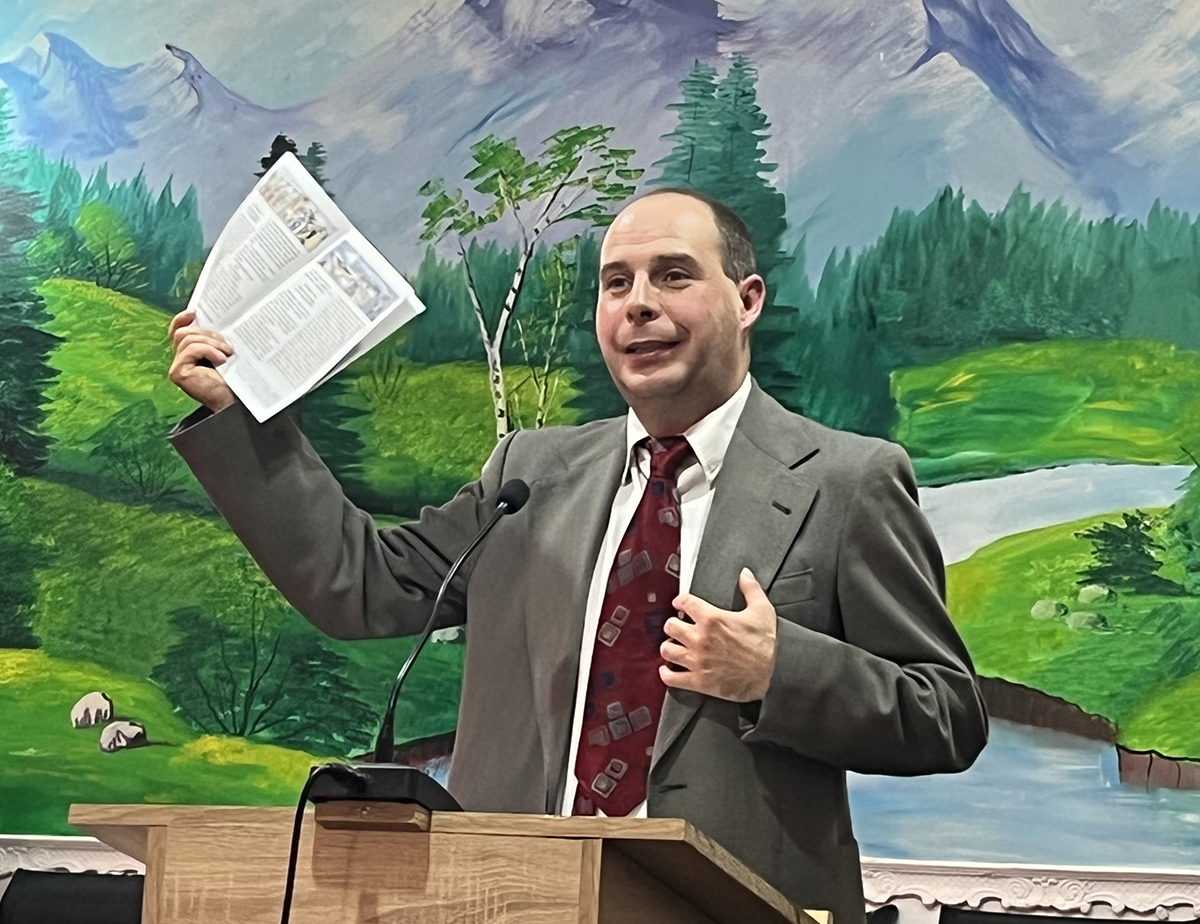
x=575 y=177
x=542 y=327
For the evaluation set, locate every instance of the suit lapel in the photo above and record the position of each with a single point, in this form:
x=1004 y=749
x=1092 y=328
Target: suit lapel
x=570 y=520
x=759 y=504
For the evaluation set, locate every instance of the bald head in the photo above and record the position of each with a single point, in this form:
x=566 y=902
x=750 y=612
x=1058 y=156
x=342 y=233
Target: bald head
x=737 y=244
x=667 y=216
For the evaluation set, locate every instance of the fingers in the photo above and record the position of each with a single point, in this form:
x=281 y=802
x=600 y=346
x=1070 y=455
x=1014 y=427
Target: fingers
x=200 y=336
x=751 y=589
x=693 y=607
x=181 y=332
x=183 y=319
x=180 y=337
x=677 y=629
x=187 y=359
x=674 y=653
x=198 y=354
x=680 y=680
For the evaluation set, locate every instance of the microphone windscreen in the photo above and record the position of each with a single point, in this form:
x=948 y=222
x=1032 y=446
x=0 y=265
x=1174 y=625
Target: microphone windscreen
x=513 y=494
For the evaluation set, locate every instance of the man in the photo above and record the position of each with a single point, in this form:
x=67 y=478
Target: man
x=716 y=627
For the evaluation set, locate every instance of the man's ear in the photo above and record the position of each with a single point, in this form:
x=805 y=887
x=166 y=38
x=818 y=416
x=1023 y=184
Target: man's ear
x=753 y=292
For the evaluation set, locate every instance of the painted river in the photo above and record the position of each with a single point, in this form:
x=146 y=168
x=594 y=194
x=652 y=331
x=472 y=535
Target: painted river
x=1034 y=795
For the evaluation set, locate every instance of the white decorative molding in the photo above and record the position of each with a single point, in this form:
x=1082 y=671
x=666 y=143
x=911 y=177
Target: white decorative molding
x=917 y=887
x=63 y=854
x=1095 y=892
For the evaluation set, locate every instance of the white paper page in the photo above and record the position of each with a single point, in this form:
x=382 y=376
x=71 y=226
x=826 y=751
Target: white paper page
x=286 y=221
x=296 y=290
x=387 y=326
x=289 y=342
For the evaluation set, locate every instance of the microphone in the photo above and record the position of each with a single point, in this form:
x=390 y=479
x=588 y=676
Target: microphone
x=511 y=498
x=382 y=780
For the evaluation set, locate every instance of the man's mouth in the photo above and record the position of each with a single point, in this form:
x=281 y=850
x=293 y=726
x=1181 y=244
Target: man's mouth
x=650 y=347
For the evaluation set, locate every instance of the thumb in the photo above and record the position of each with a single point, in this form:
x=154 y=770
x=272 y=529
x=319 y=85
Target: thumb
x=751 y=589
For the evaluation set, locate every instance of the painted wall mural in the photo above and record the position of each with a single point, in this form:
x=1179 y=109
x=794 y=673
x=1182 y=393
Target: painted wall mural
x=975 y=217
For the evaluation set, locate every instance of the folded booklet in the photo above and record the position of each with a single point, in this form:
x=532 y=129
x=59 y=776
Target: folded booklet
x=297 y=291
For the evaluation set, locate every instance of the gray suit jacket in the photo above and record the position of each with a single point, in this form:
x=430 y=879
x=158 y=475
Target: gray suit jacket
x=870 y=675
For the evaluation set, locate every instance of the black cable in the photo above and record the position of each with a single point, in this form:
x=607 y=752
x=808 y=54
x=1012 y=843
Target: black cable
x=298 y=823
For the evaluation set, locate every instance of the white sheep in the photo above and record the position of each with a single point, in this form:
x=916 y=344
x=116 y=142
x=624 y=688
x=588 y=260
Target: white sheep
x=94 y=709
x=120 y=735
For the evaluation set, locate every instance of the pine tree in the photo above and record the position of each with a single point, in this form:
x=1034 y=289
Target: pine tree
x=280 y=145
x=447 y=331
x=1178 y=625
x=165 y=235
x=326 y=415
x=1183 y=521
x=846 y=380
x=24 y=373
x=168 y=237
x=1123 y=556
x=742 y=178
x=954 y=277
x=24 y=347
x=597 y=396
x=314 y=162
x=20 y=558
x=719 y=151
x=697 y=137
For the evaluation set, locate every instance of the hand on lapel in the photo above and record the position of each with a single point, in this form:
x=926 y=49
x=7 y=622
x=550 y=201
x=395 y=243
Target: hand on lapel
x=729 y=655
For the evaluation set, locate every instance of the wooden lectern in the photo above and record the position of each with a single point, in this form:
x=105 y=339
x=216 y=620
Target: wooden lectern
x=389 y=863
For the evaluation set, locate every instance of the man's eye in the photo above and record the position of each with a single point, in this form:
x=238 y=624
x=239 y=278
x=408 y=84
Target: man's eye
x=616 y=282
x=676 y=276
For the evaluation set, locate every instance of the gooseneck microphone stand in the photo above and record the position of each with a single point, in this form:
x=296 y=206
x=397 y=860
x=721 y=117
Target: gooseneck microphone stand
x=511 y=498
x=382 y=780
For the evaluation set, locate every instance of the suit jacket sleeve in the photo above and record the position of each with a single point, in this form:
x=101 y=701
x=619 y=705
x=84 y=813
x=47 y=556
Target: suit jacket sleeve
x=898 y=695
x=324 y=554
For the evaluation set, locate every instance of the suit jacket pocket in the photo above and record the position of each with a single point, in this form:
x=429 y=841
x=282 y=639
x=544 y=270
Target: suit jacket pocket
x=792 y=588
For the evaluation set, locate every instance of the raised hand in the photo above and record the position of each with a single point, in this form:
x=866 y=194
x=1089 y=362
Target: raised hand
x=193 y=345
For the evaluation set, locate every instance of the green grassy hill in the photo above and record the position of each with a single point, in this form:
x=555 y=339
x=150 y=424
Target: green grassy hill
x=1121 y=671
x=115 y=572
x=46 y=764
x=1030 y=405
x=436 y=432
x=114 y=352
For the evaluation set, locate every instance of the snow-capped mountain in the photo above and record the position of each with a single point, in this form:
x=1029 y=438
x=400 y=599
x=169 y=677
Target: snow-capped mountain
x=64 y=99
x=873 y=105
x=73 y=106
x=167 y=115
x=1058 y=110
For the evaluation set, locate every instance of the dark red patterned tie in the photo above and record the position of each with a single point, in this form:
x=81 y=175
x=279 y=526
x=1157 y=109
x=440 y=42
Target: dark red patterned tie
x=625 y=694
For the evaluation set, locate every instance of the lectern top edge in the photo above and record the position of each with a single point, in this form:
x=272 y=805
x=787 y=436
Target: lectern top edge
x=673 y=829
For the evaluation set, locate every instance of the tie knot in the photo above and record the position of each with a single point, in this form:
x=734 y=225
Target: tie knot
x=667 y=455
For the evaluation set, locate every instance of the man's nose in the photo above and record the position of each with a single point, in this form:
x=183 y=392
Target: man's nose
x=642 y=304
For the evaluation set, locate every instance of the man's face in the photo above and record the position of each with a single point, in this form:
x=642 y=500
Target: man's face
x=670 y=322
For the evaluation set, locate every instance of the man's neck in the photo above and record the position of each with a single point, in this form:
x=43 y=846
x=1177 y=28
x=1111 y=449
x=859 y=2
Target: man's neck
x=675 y=416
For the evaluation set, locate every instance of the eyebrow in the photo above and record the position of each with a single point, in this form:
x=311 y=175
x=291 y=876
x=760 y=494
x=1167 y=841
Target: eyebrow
x=662 y=260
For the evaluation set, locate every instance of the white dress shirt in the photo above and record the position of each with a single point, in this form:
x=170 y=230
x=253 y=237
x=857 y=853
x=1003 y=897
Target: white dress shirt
x=709 y=439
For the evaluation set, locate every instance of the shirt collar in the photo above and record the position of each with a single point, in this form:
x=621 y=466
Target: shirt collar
x=709 y=437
